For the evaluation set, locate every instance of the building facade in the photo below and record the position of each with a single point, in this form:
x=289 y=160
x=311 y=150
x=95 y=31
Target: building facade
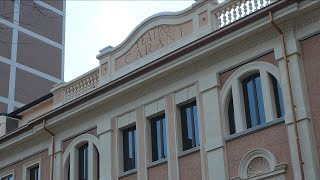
x=217 y=91
x=31 y=50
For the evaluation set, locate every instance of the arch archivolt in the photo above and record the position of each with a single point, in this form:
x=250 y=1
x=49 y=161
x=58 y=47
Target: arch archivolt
x=246 y=70
x=260 y=164
x=233 y=85
x=79 y=140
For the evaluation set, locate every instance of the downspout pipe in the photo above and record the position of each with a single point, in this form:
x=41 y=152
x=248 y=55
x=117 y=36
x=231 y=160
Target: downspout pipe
x=52 y=147
x=292 y=106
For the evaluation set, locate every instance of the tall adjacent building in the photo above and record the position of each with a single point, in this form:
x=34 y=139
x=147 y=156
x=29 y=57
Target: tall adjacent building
x=31 y=50
x=218 y=91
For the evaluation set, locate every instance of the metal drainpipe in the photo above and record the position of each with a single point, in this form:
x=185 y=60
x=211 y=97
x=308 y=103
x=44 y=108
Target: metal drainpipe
x=292 y=106
x=52 y=147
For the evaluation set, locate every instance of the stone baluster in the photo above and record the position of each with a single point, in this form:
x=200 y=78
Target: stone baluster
x=224 y=18
x=228 y=13
x=255 y=5
x=239 y=4
x=250 y=6
x=245 y=7
x=234 y=12
x=218 y=19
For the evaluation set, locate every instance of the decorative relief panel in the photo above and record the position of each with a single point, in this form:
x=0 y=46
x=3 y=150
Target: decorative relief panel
x=153 y=40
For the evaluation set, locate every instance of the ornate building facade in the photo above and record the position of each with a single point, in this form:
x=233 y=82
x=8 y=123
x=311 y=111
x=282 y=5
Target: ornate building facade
x=31 y=50
x=217 y=91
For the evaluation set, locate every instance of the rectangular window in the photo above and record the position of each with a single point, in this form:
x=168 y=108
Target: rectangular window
x=189 y=126
x=129 y=148
x=83 y=162
x=9 y=177
x=34 y=173
x=158 y=138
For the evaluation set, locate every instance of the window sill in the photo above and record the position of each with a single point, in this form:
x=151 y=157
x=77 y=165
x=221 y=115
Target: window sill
x=157 y=163
x=254 y=129
x=128 y=173
x=189 y=151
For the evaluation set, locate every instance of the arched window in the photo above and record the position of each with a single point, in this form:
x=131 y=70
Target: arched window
x=252 y=96
x=81 y=158
x=253 y=100
x=277 y=97
x=232 y=126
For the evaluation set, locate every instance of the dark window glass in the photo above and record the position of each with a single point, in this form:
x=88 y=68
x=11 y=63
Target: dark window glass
x=253 y=101
x=10 y=177
x=129 y=148
x=34 y=173
x=158 y=138
x=277 y=97
x=83 y=162
x=232 y=126
x=189 y=126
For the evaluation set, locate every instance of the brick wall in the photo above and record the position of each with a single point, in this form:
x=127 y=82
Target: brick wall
x=3 y=107
x=190 y=167
x=39 y=55
x=273 y=139
x=265 y=58
x=30 y=87
x=41 y=20
x=4 y=79
x=130 y=177
x=18 y=166
x=158 y=172
x=5 y=40
x=311 y=61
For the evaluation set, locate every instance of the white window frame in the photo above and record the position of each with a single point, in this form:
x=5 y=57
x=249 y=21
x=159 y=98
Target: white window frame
x=233 y=84
x=7 y=173
x=27 y=166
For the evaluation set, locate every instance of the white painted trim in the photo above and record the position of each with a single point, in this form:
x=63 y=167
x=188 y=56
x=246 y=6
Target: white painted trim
x=30 y=33
x=7 y=173
x=245 y=161
x=233 y=82
x=9 y=101
x=72 y=151
x=30 y=70
x=31 y=164
x=63 y=42
x=47 y=6
x=12 y=84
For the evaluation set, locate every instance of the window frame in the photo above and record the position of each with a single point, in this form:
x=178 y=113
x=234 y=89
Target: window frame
x=28 y=166
x=125 y=152
x=234 y=84
x=258 y=101
x=83 y=152
x=163 y=137
x=193 y=124
x=7 y=173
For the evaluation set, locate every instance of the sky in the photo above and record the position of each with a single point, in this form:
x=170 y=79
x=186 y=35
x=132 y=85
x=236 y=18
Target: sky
x=94 y=25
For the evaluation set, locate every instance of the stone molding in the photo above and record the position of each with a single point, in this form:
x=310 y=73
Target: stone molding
x=78 y=140
x=276 y=171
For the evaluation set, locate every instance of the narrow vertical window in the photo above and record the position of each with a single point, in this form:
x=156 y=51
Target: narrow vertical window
x=189 y=126
x=129 y=148
x=253 y=101
x=9 y=177
x=158 y=138
x=83 y=162
x=277 y=97
x=232 y=126
x=34 y=173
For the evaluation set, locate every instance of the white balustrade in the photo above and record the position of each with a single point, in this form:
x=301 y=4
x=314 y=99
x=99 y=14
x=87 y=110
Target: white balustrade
x=232 y=10
x=82 y=86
